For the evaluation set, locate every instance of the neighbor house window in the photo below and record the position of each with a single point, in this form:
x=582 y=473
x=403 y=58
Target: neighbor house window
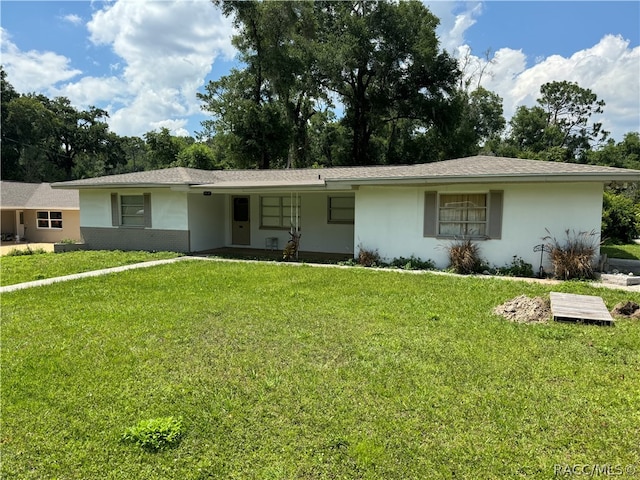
x=131 y=210
x=341 y=209
x=462 y=215
x=476 y=215
x=49 y=219
x=279 y=212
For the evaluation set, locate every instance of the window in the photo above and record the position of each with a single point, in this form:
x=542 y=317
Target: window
x=477 y=215
x=341 y=210
x=462 y=215
x=131 y=210
x=49 y=219
x=279 y=212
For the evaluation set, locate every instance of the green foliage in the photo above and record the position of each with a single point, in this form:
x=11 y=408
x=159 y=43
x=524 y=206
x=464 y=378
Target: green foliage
x=572 y=258
x=517 y=268
x=21 y=252
x=464 y=257
x=620 y=218
x=155 y=434
x=412 y=263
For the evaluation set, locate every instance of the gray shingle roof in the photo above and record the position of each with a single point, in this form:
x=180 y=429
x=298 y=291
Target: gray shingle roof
x=470 y=169
x=18 y=195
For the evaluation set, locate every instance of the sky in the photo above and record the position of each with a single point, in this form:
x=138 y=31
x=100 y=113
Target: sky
x=144 y=60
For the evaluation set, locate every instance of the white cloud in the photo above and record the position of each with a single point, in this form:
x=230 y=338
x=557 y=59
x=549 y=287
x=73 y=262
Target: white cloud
x=609 y=68
x=33 y=71
x=167 y=49
x=73 y=19
x=455 y=19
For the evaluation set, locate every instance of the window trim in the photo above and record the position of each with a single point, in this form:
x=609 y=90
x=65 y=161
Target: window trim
x=331 y=208
x=49 y=220
x=494 y=215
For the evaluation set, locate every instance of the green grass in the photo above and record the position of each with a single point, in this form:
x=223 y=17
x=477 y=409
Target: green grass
x=628 y=252
x=297 y=372
x=26 y=268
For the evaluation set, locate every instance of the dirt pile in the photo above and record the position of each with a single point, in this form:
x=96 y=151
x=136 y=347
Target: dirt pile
x=626 y=309
x=523 y=309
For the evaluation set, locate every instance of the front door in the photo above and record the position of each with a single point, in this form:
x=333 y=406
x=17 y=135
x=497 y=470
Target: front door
x=240 y=227
x=20 y=224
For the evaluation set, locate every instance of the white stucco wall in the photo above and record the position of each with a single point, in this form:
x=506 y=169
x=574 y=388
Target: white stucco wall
x=391 y=219
x=168 y=208
x=206 y=221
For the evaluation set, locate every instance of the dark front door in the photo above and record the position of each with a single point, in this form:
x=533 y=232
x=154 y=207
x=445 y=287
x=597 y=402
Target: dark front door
x=240 y=226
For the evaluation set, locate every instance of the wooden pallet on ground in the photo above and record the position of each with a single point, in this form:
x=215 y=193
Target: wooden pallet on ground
x=569 y=307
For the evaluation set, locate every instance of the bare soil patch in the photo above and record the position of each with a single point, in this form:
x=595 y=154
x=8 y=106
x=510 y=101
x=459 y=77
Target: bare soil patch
x=523 y=309
x=626 y=309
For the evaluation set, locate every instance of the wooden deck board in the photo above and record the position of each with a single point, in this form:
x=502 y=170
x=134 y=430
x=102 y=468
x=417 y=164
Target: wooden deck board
x=579 y=308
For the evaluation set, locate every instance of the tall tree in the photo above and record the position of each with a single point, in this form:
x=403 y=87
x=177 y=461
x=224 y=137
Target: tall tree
x=559 y=128
x=382 y=59
x=263 y=109
x=10 y=144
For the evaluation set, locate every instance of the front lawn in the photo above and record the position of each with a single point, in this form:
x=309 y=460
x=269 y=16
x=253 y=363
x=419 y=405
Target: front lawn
x=288 y=372
x=627 y=252
x=26 y=268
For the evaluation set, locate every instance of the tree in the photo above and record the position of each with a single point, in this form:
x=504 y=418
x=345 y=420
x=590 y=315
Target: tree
x=164 y=148
x=197 y=155
x=480 y=123
x=10 y=144
x=383 y=62
x=263 y=110
x=568 y=109
x=30 y=127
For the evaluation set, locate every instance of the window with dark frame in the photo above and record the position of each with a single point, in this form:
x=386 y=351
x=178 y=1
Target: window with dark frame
x=132 y=210
x=49 y=219
x=341 y=209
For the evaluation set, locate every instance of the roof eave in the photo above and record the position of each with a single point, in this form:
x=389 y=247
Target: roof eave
x=440 y=179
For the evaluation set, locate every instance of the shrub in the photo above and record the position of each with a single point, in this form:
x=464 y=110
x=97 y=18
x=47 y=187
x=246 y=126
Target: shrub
x=17 y=252
x=155 y=434
x=620 y=218
x=574 y=258
x=412 y=263
x=464 y=257
x=517 y=268
x=368 y=258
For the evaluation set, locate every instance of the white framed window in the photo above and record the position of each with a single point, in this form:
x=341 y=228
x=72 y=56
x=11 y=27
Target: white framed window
x=279 y=212
x=341 y=209
x=48 y=219
x=462 y=215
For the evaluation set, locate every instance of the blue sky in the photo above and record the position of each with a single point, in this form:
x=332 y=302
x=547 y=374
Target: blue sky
x=144 y=60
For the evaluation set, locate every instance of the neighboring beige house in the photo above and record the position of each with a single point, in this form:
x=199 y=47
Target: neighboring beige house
x=505 y=204
x=36 y=213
